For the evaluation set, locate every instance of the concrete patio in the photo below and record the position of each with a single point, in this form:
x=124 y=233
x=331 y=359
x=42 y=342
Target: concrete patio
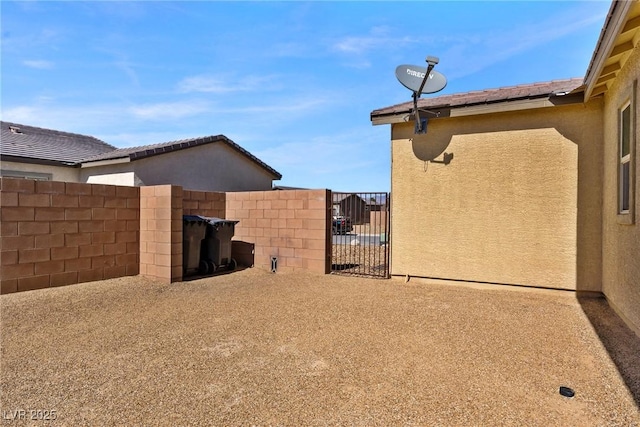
x=254 y=348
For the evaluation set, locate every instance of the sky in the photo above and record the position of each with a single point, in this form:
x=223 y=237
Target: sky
x=292 y=82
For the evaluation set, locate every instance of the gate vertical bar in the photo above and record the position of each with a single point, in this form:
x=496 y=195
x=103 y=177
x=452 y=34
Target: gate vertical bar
x=360 y=234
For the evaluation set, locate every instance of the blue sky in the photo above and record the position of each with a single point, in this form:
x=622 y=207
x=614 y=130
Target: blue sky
x=292 y=82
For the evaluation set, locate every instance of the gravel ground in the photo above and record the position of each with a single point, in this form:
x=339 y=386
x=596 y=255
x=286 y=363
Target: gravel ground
x=362 y=260
x=255 y=348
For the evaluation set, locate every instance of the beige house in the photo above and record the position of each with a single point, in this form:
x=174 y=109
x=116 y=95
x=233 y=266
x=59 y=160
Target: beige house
x=212 y=163
x=532 y=185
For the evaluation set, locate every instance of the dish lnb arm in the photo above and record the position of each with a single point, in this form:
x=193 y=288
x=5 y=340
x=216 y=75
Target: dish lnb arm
x=431 y=61
x=420 y=126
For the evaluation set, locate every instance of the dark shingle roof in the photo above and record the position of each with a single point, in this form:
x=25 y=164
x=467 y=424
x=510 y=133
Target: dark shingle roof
x=31 y=142
x=488 y=96
x=136 y=153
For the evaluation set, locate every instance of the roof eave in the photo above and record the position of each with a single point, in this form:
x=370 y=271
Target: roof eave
x=502 y=106
x=109 y=162
x=616 y=19
x=33 y=160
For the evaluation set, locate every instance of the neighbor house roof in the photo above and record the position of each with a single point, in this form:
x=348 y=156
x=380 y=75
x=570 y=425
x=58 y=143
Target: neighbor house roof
x=480 y=98
x=30 y=143
x=144 y=151
x=617 y=40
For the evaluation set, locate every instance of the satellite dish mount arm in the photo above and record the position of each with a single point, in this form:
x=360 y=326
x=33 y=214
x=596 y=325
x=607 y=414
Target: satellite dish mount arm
x=422 y=127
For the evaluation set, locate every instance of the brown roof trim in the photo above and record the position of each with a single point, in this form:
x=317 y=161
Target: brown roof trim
x=37 y=161
x=145 y=151
x=503 y=95
x=616 y=17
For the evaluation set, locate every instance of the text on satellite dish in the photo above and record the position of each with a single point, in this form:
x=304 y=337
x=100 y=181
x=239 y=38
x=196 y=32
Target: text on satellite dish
x=415 y=73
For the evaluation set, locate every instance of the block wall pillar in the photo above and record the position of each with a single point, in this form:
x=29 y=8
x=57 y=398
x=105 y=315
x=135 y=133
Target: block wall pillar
x=161 y=232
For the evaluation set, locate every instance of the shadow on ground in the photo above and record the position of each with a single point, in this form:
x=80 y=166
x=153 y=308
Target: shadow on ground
x=622 y=344
x=219 y=272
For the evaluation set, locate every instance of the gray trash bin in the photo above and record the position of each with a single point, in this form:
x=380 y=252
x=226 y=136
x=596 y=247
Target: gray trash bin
x=194 y=229
x=216 y=246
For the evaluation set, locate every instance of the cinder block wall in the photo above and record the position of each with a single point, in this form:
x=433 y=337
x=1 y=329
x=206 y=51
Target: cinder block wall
x=292 y=225
x=56 y=233
x=205 y=203
x=161 y=232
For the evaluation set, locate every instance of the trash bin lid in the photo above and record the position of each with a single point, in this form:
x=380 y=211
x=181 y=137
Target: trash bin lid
x=193 y=218
x=219 y=221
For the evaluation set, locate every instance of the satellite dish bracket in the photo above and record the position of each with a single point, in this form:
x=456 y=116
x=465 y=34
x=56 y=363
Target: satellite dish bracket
x=421 y=124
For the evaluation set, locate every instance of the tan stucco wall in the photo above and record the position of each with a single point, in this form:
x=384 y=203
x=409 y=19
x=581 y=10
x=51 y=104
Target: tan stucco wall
x=519 y=203
x=621 y=243
x=211 y=167
x=59 y=173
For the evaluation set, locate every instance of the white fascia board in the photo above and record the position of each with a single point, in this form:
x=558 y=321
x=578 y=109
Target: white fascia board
x=618 y=19
x=498 y=107
x=501 y=107
x=105 y=162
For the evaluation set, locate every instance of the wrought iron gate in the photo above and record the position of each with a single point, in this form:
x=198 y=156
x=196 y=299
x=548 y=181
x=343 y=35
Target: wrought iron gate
x=360 y=234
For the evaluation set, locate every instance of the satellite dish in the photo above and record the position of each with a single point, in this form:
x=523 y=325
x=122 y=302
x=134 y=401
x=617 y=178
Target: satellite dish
x=411 y=77
x=421 y=80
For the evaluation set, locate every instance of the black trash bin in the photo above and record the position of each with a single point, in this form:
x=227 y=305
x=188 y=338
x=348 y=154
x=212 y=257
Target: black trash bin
x=194 y=229
x=216 y=246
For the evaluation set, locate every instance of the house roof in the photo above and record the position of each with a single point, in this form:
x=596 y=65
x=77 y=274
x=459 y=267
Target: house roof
x=617 y=40
x=144 y=151
x=33 y=144
x=506 y=94
x=53 y=146
x=340 y=197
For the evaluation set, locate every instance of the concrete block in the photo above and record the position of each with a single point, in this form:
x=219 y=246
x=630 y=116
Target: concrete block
x=17 y=242
x=64 y=201
x=33 y=255
x=16 y=271
x=17 y=185
x=77 y=239
x=34 y=200
x=64 y=279
x=33 y=283
x=71 y=214
x=14 y=213
x=78 y=189
x=33 y=228
x=49 y=267
x=8 y=199
x=49 y=214
x=64 y=253
x=8 y=286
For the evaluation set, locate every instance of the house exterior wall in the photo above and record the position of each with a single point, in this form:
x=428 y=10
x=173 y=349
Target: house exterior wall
x=519 y=202
x=621 y=240
x=210 y=167
x=58 y=173
x=125 y=178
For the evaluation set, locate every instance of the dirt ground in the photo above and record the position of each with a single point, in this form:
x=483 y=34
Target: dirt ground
x=371 y=260
x=255 y=348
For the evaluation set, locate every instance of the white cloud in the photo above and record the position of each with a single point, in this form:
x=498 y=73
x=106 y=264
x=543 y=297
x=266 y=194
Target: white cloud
x=226 y=84
x=169 y=110
x=38 y=64
x=22 y=114
x=135 y=139
x=470 y=54
x=377 y=39
x=342 y=161
x=364 y=44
